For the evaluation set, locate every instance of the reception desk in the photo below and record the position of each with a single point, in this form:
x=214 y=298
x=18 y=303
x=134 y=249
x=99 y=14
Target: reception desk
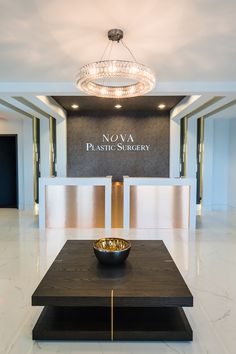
x=75 y=202
x=159 y=203
x=138 y=202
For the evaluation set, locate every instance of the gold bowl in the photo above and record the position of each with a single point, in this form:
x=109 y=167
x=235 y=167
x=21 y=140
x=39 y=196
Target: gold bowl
x=111 y=250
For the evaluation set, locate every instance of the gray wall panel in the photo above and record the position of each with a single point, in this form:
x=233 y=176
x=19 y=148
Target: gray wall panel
x=146 y=128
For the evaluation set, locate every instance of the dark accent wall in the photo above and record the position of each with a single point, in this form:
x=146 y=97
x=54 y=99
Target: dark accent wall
x=147 y=128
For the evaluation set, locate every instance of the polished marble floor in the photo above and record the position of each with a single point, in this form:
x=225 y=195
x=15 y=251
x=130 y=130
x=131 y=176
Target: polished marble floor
x=206 y=259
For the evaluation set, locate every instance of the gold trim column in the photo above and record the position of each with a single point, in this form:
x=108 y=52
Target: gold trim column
x=183 y=146
x=36 y=157
x=53 y=146
x=201 y=156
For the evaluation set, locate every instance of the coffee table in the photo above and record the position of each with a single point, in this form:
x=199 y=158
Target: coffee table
x=141 y=299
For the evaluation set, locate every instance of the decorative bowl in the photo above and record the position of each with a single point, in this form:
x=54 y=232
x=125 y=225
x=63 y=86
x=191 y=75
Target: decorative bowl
x=111 y=250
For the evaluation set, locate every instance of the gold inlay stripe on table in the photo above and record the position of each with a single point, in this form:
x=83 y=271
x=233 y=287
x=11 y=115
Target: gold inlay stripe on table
x=112 y=315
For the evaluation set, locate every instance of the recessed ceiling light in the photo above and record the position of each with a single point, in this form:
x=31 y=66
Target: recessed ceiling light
x=161 y=106
x=74 y=106
x=118 y=106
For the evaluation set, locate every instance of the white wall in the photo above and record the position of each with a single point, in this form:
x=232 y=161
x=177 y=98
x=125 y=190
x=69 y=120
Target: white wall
x=23 y=129
x=175 y=148
x=208 y=164
x=191 y=148
x=220 y=164
x=216 y=164
x=232 y=164
x=27 y=138
x=174 y=160
x=61 y=148
x=44 y=148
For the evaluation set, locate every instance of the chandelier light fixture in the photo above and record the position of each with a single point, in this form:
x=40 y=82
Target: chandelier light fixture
x=115 y=78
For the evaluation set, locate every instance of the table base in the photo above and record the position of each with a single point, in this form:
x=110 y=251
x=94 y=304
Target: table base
x=129 y=323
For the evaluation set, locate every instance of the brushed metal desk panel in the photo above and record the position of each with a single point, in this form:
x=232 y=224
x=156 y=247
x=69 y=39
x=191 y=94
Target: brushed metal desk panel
x=159 y=207
x=75 y=206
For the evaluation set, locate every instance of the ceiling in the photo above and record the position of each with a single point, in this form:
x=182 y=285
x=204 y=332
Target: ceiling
x=182 y=41
x=144 y=103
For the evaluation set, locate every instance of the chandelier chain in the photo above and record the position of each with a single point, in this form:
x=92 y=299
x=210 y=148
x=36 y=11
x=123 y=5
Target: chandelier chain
x=109 y=50
x=109 y=55
x=104 y=52
x=125 y=46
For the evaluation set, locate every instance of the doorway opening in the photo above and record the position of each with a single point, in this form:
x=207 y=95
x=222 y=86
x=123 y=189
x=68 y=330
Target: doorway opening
x=8 y=171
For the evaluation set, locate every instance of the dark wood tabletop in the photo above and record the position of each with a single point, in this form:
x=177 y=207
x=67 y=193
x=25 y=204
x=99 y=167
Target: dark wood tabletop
x=148 y=278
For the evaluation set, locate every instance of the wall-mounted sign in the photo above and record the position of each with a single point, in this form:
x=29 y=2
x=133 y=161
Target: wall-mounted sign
x=124 y=144
x=117 y=142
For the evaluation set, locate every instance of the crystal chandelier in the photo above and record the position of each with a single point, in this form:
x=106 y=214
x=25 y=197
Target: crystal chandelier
x=115 y=78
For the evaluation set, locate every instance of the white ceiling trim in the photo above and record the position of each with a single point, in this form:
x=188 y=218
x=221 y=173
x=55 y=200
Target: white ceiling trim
x=7 y=113
x=24 y=108
x=187 y=105
x=41 y=107
x=162 y=88
x=215 y=106
x=48 y=105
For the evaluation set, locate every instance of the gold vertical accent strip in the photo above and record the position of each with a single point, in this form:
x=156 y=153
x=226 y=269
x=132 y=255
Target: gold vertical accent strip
x=183 y=146
x=185 y=142
x=36 y=155
x=201 y=156
x=112 y=315
x=51 y=145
